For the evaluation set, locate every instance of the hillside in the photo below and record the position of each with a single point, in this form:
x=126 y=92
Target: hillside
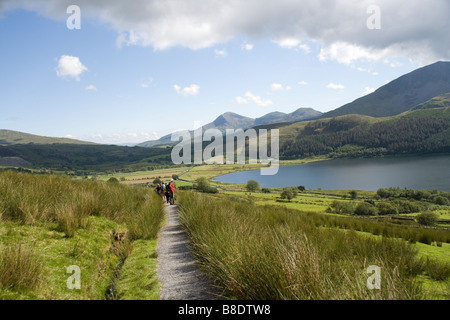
x=83 y=158
x=414 y=132
x=401 y=94
x=230 y=120
x=9 y=137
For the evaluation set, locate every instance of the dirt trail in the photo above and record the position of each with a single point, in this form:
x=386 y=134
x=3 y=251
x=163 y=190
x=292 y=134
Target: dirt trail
x=177 y=270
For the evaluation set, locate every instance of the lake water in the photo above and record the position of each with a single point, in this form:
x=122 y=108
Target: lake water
x=418 y=172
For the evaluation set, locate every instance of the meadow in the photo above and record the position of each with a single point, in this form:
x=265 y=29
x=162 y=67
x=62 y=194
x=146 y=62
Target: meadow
x=49 y=223
x=272 y=252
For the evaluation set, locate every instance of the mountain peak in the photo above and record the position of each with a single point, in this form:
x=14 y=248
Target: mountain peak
x=401 y=94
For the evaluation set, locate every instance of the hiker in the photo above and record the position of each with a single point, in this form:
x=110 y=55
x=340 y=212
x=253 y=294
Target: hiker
x=171 y=188
x=158 y=189
x=167 y=193
x=163 y=190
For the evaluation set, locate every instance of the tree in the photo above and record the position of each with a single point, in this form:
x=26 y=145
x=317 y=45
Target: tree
x=353 y=194
x=427 y=218
x=175 y=177
x=366 y=209
x=157 y=181
x=301 y=188
x=252 y=186
x=287 y=194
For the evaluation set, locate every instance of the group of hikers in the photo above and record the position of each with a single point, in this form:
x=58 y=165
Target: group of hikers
x=166 y=191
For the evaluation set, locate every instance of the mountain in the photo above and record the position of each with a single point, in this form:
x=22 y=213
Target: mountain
x=301 y=114
x=424 y=130
x=230 y=120
x=9 y=137
x=401 y=94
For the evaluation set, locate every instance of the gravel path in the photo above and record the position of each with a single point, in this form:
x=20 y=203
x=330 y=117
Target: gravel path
x=177 y=270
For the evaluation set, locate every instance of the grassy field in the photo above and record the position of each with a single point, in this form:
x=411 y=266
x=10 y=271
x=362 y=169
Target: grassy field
x=268 y=252
x=50 y=223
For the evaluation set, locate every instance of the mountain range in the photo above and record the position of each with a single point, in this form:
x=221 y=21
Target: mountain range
x=230 y=120
x=410 y=115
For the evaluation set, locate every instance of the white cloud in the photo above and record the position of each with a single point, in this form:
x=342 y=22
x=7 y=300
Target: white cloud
x=303 y=83
x=288 y=43
x=192 y=90
x=335 y=86
x=305 y=47
x=221 y=53
x=69 y=66
x=368 y=90
x=346 y=53
x=121 y=138
x=91 y=88
x=280 y=87
x=417 y=30
x=247 y=46
x=249 y=97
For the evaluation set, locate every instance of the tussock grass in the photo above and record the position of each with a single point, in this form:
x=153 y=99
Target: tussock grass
x=30 y=199
x=64 y=222
x=20 y=269
x=261 y=253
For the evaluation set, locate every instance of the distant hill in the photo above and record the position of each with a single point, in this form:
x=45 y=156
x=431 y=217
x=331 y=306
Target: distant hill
x=230 y=120
x=420 y=131
x=401 y=94
x=9 y=137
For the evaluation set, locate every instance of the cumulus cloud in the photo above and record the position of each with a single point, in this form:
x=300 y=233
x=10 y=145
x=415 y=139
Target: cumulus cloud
x=250 y=97
x=192 y=90
x=247 y=46
x=69 y=66
x=280 y=87
x=221 y=53
x=415 y=29
x=368 y=90
x=335 y=86
x=91 y=88
x=120 y=138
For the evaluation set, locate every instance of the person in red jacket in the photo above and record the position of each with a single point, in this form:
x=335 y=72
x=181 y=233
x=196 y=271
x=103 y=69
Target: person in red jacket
x=171 y=189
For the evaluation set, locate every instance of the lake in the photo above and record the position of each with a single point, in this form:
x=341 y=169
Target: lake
x=415 y=172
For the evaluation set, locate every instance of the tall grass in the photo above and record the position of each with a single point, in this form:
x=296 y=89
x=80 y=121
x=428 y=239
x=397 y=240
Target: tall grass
x=30 y=199
x=264 y=253
x=19 y=267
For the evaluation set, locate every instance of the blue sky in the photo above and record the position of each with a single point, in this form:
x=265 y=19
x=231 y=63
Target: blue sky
x=118 y=80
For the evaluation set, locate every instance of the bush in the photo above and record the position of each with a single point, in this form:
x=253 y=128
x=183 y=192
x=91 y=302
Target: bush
x=113 y=180
x=252 y=186
x=287 y=194
x=342 y=207
x=266 y=190
x=427 y=218
x=366 y=209
x=386 y=208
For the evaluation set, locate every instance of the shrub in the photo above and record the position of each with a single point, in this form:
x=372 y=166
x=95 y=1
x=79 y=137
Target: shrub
x=342 y=207
x=252 y=186
x=427 y=218
x=365 y=209
x=266 y=190
x=113 y=180
x=386 y=208
x=287 y=194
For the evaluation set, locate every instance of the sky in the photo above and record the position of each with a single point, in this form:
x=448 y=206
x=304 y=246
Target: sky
x=115 y=72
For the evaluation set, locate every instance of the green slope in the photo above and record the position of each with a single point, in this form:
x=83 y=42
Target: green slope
x=9 y=137
x=413 y=132
x=401 y=94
